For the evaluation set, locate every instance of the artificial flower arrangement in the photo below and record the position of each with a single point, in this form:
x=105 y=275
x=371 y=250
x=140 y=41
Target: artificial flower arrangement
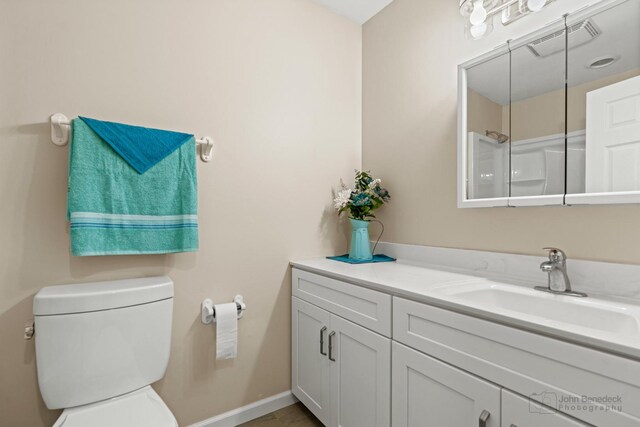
x=366 y=196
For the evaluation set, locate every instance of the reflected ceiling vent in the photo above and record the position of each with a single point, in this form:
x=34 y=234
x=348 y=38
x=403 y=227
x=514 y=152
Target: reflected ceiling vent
x=602 y=62
x=579 y=34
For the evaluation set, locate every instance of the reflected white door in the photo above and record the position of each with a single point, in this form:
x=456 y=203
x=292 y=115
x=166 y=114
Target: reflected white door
x=613 y=138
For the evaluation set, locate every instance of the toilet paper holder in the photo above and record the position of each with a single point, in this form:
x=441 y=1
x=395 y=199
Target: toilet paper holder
x=208 y=312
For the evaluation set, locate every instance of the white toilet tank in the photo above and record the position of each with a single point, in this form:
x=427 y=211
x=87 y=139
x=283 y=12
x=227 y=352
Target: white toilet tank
x=98 y=340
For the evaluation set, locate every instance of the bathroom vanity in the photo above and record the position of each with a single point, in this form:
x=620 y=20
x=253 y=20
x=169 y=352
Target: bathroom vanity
x=402 y=344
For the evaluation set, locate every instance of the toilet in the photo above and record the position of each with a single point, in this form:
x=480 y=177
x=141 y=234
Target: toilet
x=99 y=346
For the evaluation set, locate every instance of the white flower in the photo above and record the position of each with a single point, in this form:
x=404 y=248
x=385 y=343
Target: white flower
x=375 y=183
x=343 y=198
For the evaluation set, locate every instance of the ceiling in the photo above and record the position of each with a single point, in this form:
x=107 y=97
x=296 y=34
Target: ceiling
x=532 y=76
x=359 y=11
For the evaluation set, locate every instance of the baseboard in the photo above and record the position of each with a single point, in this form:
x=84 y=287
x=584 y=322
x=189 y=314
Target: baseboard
x=250 y=412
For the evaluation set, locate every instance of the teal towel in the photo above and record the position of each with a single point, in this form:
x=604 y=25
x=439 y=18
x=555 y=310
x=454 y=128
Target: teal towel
x=141 y=147
x=376 y=259
x=114 y=210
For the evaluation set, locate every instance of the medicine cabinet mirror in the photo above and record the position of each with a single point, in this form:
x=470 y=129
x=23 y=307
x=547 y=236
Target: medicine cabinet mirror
x=553 y=118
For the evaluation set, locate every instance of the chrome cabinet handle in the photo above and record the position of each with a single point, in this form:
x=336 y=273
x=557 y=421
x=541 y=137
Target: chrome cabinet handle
x=322 y=331
x=484 y=417
x=331 y=346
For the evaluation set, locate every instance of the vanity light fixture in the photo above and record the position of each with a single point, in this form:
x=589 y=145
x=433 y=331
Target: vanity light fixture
x=476 y=32
x=536 y=5
x=479 y=13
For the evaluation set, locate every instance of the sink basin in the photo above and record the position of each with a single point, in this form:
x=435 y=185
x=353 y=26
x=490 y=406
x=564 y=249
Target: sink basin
x=586 y=316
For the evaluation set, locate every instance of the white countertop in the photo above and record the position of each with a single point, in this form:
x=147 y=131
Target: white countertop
x=426 y=283
x=397 y=278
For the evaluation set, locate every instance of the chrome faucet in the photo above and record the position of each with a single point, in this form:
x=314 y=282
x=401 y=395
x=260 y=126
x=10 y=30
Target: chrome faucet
x=556 y=268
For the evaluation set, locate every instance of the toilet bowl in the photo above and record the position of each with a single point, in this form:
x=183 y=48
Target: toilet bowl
x=99 y=346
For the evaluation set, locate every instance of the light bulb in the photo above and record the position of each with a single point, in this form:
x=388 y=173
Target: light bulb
x=478 y=31
x=479 y=14
x=536 y=5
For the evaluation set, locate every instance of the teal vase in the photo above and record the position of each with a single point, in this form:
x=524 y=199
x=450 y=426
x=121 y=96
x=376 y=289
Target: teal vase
x=360 y=247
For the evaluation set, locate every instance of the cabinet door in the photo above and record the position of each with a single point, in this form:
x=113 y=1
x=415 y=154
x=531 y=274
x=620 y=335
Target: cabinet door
x=520 y=412
x=360 y=376
x=430 y=393
x=310 y=367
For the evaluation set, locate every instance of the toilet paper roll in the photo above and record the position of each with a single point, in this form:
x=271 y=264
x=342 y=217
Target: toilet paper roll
x=226 y=331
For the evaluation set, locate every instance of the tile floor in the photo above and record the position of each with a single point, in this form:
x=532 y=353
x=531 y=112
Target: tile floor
x=291 y=416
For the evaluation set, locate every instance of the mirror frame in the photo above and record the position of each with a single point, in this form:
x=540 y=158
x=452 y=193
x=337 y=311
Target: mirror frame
x=626 y=197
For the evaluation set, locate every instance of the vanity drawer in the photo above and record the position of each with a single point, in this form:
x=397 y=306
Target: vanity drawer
x=362 y=306
x=530 y=364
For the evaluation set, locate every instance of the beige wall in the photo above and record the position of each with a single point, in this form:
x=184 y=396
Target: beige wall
x=483 y=114
x=277 y=83
x=410 y=54
x=537 y=116
x=544 y=114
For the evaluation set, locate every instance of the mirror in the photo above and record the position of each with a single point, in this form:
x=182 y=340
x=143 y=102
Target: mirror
x=537 y=116
x=488 y=129
x=553 y=118
x=604 y=101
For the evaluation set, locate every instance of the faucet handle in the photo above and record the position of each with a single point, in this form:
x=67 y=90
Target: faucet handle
x=556 y=255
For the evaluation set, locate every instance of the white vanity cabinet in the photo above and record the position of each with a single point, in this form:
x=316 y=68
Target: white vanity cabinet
x=545 y=370
x=518 y=411
x=360 y=376
x=429 y=393
x=340 y=370
x=364 y=358
x=310 y=374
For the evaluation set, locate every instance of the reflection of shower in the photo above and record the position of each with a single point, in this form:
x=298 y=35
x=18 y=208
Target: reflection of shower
x=500 y=137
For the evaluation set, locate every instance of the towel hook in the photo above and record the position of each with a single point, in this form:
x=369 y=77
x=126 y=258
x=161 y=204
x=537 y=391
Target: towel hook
x=206 y=149
x=59 y=129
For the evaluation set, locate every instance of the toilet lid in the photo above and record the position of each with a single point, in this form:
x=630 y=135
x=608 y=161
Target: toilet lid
x=140 y=408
